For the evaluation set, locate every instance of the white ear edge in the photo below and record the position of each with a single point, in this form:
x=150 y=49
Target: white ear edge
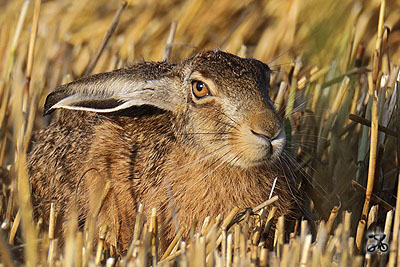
x=64 y=104
x=108 y=110
x=116 y=96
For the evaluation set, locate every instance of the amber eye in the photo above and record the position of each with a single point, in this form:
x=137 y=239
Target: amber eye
x=199 y=89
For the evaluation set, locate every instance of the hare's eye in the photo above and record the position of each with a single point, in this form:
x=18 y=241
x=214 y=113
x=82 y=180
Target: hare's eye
x=199 y=89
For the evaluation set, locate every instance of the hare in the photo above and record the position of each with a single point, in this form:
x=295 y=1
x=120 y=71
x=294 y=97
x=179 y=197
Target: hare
x=199 y=137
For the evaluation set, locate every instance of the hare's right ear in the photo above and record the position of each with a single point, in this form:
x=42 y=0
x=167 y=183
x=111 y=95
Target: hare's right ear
x=114 y=91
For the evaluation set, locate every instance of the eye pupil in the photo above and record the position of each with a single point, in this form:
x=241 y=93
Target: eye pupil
x=199 y=86
x=199 y=89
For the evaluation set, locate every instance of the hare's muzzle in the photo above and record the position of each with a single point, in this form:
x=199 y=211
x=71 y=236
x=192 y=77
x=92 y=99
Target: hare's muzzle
x=273 y=144
x=265 y=138
x=257 y=146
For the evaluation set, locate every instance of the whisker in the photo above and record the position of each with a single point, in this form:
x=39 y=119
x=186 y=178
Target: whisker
x=206 y=133
x=216 y=152
x=231 y=119
x=192 y=185
x=320 y=190
x=296 y=196
x=236 y=158
x=278 y=56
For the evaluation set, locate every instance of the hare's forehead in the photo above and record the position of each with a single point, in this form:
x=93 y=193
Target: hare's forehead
x=240 y=80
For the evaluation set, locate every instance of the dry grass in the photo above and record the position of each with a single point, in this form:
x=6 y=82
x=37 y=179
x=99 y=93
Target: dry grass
x=332 y=59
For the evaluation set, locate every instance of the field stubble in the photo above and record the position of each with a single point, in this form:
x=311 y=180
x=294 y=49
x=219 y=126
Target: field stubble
x=335 y=80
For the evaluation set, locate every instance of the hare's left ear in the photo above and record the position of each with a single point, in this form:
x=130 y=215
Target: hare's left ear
x=114 y=91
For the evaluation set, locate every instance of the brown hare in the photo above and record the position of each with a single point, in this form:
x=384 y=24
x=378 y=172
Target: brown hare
x=202 y=133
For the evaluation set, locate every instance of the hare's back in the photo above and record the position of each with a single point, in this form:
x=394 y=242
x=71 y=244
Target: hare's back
x=57 y=155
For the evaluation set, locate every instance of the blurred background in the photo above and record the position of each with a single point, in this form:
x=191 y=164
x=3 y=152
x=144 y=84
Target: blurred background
x=321 y=53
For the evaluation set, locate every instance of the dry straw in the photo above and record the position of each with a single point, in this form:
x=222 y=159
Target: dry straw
x=335 y=80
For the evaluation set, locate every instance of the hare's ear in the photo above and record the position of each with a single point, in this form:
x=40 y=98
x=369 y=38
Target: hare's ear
x=114 y=91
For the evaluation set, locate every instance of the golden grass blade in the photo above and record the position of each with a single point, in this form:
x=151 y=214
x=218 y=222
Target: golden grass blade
x=154 y=238
x=5 y=254
x=360 y=235
x=372 y=216
x=374 y=112
x=173 y=243
x=14 y=43
x=306 y=248
x=106 y=39
x=100 y=245
x=170 y=40
x=332 y=217
x=79 y=244
x=60 y=50
x=264 y=257
x=290 y=104
x=32 y=42
x=373 y=151
x=279 y=236
x=394 y=257
x=279 y=98
x=14 y=227
x=52 y=243
x=265 y=204
x=315 y=76
x=29 y=230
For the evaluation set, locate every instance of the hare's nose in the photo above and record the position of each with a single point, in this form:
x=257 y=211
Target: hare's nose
x=266 y=138
x=267 y=135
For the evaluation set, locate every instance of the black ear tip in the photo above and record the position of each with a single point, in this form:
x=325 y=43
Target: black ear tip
x=47 y=111
x=47 y=106
x=53 y=98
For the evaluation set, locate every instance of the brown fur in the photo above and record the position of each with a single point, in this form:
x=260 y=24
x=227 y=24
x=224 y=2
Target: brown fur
x=203 y=148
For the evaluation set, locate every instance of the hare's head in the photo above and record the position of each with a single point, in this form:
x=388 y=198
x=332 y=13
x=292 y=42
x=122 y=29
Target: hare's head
x=219 y=102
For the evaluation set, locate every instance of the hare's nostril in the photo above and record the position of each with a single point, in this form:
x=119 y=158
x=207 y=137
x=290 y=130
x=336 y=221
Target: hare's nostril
x=262 y=135
x=266 y=139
